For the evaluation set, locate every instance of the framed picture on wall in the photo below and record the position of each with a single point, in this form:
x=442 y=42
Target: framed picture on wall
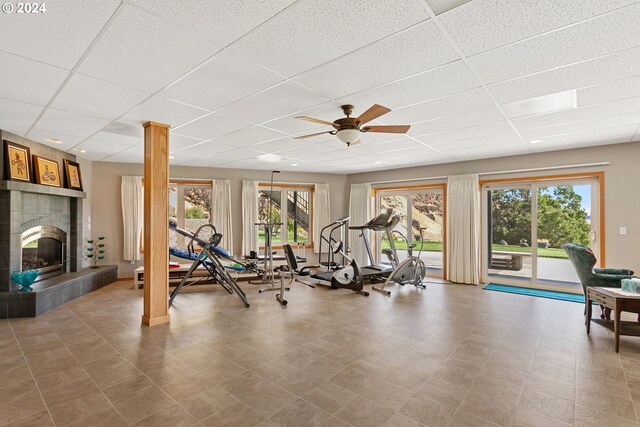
x=17 y=160
x=72 y=177
x=46 y=171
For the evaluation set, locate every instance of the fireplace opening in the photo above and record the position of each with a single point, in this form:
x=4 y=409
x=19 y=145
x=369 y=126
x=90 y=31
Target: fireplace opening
x=43 y=249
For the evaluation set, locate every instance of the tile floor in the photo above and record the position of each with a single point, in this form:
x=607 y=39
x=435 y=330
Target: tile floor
x=448 y=356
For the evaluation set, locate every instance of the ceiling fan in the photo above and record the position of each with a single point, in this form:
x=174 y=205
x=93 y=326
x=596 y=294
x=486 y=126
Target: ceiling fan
x=348 y=129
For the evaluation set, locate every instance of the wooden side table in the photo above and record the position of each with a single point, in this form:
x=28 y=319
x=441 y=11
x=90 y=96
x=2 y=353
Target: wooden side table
x=618 y=301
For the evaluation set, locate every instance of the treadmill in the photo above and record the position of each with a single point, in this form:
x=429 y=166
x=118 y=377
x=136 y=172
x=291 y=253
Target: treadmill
x=385 y=222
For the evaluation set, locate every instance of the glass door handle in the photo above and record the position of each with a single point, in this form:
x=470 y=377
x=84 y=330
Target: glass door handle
x=592 y=236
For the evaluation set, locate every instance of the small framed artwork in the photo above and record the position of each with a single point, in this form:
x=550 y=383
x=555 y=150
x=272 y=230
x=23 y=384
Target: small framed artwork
x=46 y=171
x=72 y=175
x=17 y=162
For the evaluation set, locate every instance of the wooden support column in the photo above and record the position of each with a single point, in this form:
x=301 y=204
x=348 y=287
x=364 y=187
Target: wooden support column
x=156 y=227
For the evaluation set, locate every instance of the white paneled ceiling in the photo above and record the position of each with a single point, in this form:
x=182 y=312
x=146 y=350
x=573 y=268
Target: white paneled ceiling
x=230 y=76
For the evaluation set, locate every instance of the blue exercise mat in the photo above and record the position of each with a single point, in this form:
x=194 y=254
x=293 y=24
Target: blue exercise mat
x=184 y=254
x=562 y=296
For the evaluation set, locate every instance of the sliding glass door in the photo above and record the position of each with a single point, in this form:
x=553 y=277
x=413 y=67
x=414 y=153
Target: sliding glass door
x=418 y=208
x=526 y=224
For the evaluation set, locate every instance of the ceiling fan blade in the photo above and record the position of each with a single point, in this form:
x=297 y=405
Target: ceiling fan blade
x=313 y=134
x=387 y=129
x=311 y=119
x=373 y=113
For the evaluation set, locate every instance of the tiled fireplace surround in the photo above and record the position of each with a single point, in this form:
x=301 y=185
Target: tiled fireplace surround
x=26 y=205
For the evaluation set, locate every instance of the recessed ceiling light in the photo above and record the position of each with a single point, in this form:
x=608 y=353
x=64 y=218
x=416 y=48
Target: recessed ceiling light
x=269 y=157
x=56 y=141
x=377 y=163
x=82 y=150
x=171 y=157
x=294 y=164
x=535 y=141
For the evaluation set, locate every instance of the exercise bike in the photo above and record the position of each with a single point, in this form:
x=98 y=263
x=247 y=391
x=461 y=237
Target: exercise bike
x=411 y=271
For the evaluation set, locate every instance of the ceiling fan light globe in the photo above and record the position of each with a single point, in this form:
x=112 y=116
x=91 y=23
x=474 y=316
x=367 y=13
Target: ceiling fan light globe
x=348 y=136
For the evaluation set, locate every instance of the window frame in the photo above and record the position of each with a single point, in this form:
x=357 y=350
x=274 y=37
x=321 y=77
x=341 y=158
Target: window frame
x=285 y=187
x=409 y=190
x=180 y=185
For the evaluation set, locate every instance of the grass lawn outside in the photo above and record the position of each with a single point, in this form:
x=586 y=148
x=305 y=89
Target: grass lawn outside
x=437 y=247
x=276 y=238
x=542 y=252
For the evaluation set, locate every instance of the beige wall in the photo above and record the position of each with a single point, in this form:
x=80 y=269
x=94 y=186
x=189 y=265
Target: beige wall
x=622 y=192
x=622 y=187
x=86 y=172
x=106 y=210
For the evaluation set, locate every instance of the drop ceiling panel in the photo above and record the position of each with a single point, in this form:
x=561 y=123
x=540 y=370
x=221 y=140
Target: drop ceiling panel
x=278 y=145
x=97 y=150
x=568 y=128
x=60 y=35
x=446 y=80
x=312 y=32
x=57 y=121
x=162 y=110
x=610 y=91
x=212 y=126
x=458 y=121
x=481 y=25
x=278 y=101
x=413 y=51
x=36 y=84
x=66 y=141
x=496 y=130
x=462 y=102
x=96 y=98
x=221 y=20
x=130 y=155
x=234 y=155
x=207 y=149
x=250 y=136
x=588 y=138
x=222 y=80
x=17 y=114
x=393 y=148
x=603 y=35
x=144 y=52
x=109 y=137
x=179 y=142
x=590 y=112
x=596 y=71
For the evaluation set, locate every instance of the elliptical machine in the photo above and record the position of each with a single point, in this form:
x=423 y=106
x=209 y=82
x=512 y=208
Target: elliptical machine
x=345 y=274
x=411 y=271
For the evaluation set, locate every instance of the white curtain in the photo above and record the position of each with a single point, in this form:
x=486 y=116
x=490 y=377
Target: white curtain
x=360 y=213
x=463 y=229
x=321 y=213
x=132 y=217
x=249 y=216
x=221 y=211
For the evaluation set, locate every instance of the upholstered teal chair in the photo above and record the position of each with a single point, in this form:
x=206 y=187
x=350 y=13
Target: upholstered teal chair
x=583 y=260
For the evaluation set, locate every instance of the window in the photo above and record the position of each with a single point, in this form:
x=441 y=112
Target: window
x=289 y=205
x=190 y=206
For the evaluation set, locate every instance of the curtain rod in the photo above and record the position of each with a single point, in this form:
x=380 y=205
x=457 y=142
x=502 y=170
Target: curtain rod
x=432 y=178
